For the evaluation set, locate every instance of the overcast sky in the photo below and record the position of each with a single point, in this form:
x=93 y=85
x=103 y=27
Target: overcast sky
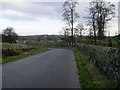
x=29 y=17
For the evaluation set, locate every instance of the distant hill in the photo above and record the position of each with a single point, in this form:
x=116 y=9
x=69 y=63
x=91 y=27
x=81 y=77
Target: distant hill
x=41 y=37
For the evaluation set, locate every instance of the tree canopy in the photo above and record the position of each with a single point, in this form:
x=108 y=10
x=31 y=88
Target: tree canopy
x=9 y=35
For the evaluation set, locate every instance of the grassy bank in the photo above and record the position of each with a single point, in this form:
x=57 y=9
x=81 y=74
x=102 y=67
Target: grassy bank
x=90 y=77
x=23 y=55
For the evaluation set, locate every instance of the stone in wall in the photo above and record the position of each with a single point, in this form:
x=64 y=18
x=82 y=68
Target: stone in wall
x=107 y=59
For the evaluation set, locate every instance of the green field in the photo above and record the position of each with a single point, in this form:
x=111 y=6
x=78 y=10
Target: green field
x=103 y=42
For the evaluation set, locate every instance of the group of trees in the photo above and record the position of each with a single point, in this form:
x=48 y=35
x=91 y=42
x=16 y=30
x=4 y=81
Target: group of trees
x=9 y=35
x=99 y=13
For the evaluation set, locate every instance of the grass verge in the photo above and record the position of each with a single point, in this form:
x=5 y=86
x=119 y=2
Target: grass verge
x=89 y=75
x=23 y=55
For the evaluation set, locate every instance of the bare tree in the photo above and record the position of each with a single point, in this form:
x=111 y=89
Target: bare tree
x=92 y=17
x=80 y=28
x=76 y=32
x=66 y=32
x=105 y=12
x=70 y=14
x=100 y=12
x=90 y=31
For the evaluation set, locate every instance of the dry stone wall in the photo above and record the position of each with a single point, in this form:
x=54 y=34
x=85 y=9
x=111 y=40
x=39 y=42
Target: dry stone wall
x=107 y=60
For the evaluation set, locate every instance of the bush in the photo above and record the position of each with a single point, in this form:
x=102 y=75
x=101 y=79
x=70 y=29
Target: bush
x=9 y=52
x=13 y=52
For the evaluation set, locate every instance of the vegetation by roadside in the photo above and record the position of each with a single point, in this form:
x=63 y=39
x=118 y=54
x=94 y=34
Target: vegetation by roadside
x=19 y=51
x=90 y=77
x=104 y=42
x=14 y=51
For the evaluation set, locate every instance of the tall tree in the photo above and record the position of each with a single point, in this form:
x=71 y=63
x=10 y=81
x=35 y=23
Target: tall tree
x=105 y=12
x=92 y=18
x=100 y=12
x=70 y=14
x=9 y=35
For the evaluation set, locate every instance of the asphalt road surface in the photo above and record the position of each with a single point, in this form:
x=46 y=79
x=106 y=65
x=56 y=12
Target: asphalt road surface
x=55 y=68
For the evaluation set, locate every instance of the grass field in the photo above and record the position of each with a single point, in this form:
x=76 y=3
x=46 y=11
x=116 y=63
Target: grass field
x=103 y=42
x=90 y=77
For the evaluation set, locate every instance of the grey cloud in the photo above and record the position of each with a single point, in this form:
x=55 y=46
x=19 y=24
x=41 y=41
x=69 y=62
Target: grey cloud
x=29 y=9
x=40 y=9
x=33 y=10
x=15 y=15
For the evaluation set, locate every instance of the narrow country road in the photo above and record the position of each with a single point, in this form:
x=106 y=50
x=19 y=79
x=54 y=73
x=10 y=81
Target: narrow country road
x=55 y=68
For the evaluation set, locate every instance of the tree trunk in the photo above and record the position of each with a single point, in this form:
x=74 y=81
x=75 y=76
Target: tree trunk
x=94 y=32
x=72 y=37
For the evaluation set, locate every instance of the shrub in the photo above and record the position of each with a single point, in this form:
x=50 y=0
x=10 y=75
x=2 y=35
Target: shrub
x=9 y=52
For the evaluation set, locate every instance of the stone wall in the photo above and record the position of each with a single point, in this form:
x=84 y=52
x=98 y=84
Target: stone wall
x=107 y=60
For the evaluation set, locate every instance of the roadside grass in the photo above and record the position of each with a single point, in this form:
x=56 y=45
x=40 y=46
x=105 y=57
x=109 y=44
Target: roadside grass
x=89 y=75
x=23 y=55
